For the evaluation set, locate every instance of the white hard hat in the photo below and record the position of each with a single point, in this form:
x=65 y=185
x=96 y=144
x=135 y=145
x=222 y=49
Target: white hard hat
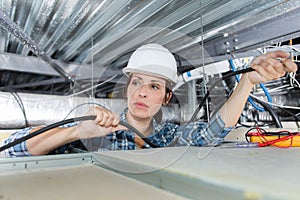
x=153 y=59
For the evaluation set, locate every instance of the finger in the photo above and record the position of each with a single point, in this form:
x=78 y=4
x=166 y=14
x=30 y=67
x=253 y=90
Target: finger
x=289 y=65
x=99 y=117
x=275 y=55
x=103 y=117
x=116 y=120
x=264 y=75
x=278 y=54
x=109 y=120
x=274 y=67
x=119 y=128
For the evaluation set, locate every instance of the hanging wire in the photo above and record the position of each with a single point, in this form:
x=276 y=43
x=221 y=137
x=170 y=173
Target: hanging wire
x=92 y=65
x=205 y=81
x=90 y=88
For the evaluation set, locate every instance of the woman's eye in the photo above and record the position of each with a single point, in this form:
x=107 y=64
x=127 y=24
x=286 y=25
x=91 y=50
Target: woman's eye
x=155 y=87
x=135 y=83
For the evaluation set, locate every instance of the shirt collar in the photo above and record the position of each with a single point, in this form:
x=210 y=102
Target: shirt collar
x=123 y=119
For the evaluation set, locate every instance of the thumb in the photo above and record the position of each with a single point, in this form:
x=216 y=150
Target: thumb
x=119 y=128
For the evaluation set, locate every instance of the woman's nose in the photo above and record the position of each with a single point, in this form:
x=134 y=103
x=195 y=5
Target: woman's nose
x=143 y=90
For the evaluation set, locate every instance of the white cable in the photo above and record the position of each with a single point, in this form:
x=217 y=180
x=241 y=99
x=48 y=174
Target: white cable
x=272 y=104
x=287 y=87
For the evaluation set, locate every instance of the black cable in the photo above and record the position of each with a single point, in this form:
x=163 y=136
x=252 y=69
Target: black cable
x=133 y=129
x=268 y=108
x=44 y=129
x=290 y=113
x=122 y=123
x=265 y=105
x=60 y=123
x=246 y=134
x=242 y=71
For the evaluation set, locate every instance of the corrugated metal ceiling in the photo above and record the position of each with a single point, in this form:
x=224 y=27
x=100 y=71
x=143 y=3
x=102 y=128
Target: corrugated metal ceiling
x=100 y=34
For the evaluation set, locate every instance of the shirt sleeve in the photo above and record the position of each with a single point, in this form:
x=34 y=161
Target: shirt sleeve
x=20 y=149
x=201 y=134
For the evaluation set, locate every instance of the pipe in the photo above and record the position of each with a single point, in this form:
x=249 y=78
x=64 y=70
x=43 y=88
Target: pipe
x=13 y=28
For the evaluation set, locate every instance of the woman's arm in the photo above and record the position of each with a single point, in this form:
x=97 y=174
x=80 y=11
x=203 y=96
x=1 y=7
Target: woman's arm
x=267 y=67
x=44 y=143
x=106 y=122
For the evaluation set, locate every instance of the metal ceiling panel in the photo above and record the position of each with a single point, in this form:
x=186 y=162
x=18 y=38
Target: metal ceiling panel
x=100 y=34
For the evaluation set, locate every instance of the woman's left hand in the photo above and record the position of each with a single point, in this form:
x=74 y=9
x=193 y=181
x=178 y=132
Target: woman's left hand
x=271 y=66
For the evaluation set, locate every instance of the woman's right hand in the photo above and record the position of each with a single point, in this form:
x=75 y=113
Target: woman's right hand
x=106 y=122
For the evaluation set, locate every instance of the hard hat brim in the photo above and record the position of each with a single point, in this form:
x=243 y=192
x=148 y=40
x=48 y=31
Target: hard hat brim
x=157 y=71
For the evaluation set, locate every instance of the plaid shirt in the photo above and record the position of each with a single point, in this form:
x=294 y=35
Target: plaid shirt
x=196 y=134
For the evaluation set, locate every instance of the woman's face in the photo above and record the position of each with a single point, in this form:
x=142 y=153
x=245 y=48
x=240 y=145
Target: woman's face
x=145 y=95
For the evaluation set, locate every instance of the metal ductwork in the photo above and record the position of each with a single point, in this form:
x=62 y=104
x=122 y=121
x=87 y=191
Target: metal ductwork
x=62 y=47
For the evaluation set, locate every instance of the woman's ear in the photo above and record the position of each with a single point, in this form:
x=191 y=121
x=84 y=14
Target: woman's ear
x=125 y=89
x=167 y=98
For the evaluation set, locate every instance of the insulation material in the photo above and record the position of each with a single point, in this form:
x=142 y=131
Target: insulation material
x=47 y=109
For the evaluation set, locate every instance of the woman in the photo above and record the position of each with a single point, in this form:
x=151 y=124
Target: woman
x=152 y=71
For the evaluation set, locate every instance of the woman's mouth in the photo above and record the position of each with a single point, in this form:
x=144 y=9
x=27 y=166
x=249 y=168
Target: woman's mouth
x=140 y=105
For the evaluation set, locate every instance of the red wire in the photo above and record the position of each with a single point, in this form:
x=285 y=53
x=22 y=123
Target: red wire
x=266 y=142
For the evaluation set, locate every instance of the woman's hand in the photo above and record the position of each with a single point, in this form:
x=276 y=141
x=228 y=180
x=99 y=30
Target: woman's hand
x=106 y=122
x=267 y=67
x=270 y=66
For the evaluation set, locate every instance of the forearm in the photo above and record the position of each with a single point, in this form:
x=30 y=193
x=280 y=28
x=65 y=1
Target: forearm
x=232 y=109
x=270 y=66
x=52 y=139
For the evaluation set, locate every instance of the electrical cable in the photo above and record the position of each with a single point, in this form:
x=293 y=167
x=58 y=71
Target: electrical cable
x=250 y=100
x=122 y=123
x=271 y=112
x=233 y=73
x=272 y=104
x=57 y=124
x=290 y=113
x=262 y=134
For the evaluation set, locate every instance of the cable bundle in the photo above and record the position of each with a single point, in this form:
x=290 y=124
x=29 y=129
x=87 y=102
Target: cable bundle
x=281 y=139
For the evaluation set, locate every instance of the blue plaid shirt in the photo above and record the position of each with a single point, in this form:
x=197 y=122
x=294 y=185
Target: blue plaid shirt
x=195 y=133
